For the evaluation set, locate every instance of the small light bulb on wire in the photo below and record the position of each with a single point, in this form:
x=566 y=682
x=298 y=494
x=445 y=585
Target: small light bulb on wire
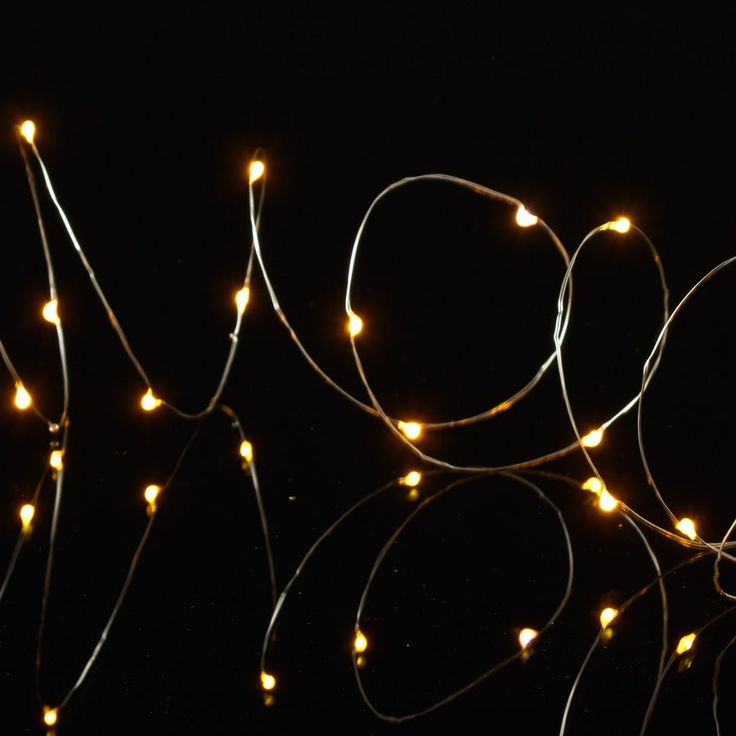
x=56 y=460
x=687 y=527
x=622 y=225
x=28 y=130
x=524 y=218
x=268 y=682
x=22 y=397
x=50 y=311
x=527 y=636
x=26 y=516
x=149 y=402
x=412 y=430
x=151 y=494
x=685 y=644
x=592 y=439
x=412 y=479
x=246 y=451
x=50 y=715
x=594 y=485
x=606 y=501
x=241 y=299
x=607 y=615
x=256 y=171
x=360 y=644
x=355 y=324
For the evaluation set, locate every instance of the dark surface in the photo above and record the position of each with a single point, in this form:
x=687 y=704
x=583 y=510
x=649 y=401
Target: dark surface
x=146 y=122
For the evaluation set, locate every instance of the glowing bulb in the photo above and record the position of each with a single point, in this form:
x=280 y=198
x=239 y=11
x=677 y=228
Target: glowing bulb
x=622 y=225
x=56 y=461
x=246 y=451
x=524 y=218
x=527 y=636
x=50 y=715
x=241 y=299
x=355 y=324
x=151 y=493
x=22 y=397
x=256 y=170
x=607 y=615
x=412 y=430
x=268 y=682
x=685 y=644
x=606 y=501
x=28 y=130
x=51 y=311
x=592 y=439
x=412 y=479
x=687 y=527
x=149 y=402
x=361 y=643
x=26 y=515
x=594 y=485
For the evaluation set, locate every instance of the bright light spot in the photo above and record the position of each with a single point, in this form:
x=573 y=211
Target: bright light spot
x=268 y=681
x=607 y=615
x=56 y=461
x=685 y=644
x=22 y=397
x=50 y=716
x=256 y=171
x=412 y=430
x=412 y=479
x=26 y=515
x=687 y=527
x=28 y=130
x=592 y=439
x=594 y=485
x=51 y=311
x=151 y=493
x=524 y=218
x=622 y=225
x=246 y=451
x=527 y=636
x=149 y=402
x=241 y=299
x=361 y=643
x=606 y=501
x=355 y=324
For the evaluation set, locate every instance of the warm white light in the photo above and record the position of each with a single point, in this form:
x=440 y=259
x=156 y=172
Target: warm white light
x=361 y=643
x=622 y=225
x=594 y=485
x=246 y=451
x=241 y=299
x=606 y=501
x=51 y=311
x=607 y=615
x=26 y=515
x=256 y=171
x=56 y=461
x=527 y=636
x=28 y=130
x=524 y=218
x=268 y=681
x=22 y=397
x=687 y=527
x=149 y=402
x=592 y=439
x=412 y=479
x=151 y=493
x=355 y=324
x=412 y=430
x=686 y=643
x=50 y=716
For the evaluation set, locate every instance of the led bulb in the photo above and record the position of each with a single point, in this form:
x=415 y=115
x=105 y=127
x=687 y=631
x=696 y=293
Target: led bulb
x=149 y=402
x=268 y=682
x=607 y=615
x=22 y=397
x=50 y=311
x=592 y=439
x=246 y=451
x=412 y=479
x=151 y=493
x=361 y=643
x=50 y=715
x=26 y=515
x=241 y=299
x=527 y=636
x=687 y=527
x=28 y=130
x=524 y=218
x=622 y=225
x=256 y=171
x=594 y=485
x=355 y=324
x=685 y=644
x=606 y=501
x=56 y=461
x=412 y=430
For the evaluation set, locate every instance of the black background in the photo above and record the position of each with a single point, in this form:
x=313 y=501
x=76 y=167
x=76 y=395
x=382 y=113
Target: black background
x=147 y=120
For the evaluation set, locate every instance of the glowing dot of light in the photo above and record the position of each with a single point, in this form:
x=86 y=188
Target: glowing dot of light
x=149 y=402
x=268 y=682
x=256 y=171
x=687 y=527
x=241 y=299
x=685 y=644
x=622 y=225
x=607 y=615
x=56 y=461
x=606 y=501
x=412 y=430
x=355 y=324
x=527 y=636
x=22 y=397
x=50 y=716
x=28 y=130
x=594 y=485
x=524 y=218
x=361 y=643
x=246 y=451
x=26 y=515
x=50 y=311
x=592 y=439
x=412 y=479
x=151 y=493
